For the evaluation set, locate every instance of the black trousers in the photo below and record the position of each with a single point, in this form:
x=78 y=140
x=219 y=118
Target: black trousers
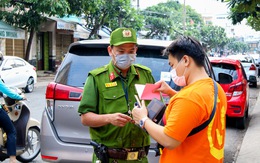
x=7 y=125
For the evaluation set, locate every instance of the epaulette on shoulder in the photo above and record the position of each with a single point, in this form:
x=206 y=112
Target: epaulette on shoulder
x=99 y=70
x=142 y=67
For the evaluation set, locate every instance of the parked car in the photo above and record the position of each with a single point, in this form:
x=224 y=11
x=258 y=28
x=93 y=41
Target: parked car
x=257 y=61
x=63 y=137
x=16 y=72
x=236 y=89
x=250 y=67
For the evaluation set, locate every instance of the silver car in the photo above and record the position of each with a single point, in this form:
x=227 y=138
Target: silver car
x=250 y=67
x=63 y=137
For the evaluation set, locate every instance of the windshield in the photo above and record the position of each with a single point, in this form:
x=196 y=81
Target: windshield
x=75 y=67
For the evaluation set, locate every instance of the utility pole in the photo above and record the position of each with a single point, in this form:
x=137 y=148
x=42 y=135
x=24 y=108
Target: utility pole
x=184 y=17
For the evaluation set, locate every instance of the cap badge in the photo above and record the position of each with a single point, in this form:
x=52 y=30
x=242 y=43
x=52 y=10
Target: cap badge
x=127 y=33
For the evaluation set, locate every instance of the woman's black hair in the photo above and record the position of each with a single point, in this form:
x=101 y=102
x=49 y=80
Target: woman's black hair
x=186 y=45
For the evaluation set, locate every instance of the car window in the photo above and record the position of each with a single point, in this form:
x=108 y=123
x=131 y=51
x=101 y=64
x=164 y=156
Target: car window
x=75 y=68
x=19 y=63
x=9 y=63
x=225 y=68
x=243 y=71
x=247 y=59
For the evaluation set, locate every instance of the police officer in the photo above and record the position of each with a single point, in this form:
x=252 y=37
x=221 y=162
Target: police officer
x=108 y=99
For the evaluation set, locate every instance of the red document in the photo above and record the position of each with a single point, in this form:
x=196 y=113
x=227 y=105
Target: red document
x=146 y=92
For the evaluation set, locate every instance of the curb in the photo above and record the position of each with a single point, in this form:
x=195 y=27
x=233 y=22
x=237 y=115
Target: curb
x=249 y=148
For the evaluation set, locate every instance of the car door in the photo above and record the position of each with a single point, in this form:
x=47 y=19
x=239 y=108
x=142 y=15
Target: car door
x=8 y=73
x=23 y=71
x=11 y=74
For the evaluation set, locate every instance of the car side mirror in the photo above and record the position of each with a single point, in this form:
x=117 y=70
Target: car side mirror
x=224 y=78
x=7 y=68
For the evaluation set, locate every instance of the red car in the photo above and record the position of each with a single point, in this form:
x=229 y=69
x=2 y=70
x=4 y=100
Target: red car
x=236 y=88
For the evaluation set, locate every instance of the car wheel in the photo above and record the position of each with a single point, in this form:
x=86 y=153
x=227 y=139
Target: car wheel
x=246 y=113
x=241 y=122
x=30 y=85
x=255 y=84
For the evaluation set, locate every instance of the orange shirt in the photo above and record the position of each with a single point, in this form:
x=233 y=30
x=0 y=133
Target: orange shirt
x=188 y=109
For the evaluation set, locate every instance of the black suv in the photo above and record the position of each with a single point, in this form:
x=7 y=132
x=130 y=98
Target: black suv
x=63 y=137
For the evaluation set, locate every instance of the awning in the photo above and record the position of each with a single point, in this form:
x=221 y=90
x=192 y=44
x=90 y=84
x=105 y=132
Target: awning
x=67 y=22
x=76 y=24
x=81 y=32
x=8 y=31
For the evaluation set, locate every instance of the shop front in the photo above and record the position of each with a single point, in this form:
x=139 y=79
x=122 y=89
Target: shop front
x=12 y=40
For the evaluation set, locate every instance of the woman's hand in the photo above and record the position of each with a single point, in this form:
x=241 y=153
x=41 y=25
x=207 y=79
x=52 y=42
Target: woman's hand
x=139 y=112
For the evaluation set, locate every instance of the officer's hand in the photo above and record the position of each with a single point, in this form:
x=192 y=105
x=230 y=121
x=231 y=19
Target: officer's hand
x=119 y=119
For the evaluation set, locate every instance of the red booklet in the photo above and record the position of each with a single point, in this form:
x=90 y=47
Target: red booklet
x=146 y=92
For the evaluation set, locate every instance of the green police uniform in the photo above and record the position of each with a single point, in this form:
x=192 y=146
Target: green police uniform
x=105 y=92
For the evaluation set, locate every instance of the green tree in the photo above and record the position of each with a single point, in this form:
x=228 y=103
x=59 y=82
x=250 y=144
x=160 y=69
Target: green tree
x=29 y=14
x=245 y=9
x=112 y=13
x=236 y=46
x=194 y=23
x=167 y=19
x=214 y=37
x=159 y=19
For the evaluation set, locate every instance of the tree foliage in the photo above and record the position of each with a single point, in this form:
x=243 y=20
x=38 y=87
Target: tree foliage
x=161 y=19
x=167 y=19
x=29 y=14
x=245 y=9
x=214 y=36
x=236 y=46
x=112 y=13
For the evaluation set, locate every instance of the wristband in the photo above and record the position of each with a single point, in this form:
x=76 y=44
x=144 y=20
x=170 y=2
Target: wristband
x=142 y=121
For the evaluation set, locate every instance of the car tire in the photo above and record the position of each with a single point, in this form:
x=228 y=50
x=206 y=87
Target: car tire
x=30 y=85
x=242 y=121
x=254 y=84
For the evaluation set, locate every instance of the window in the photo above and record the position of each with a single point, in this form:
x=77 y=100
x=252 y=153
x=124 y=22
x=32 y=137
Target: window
x=225 y=68
x=19 y=63
x=9 y=63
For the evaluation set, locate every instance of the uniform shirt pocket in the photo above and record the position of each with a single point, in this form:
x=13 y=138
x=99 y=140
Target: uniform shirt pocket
x=114 y=101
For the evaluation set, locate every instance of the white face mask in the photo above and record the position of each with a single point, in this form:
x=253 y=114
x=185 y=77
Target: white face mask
x=124 y=61
x=178 y=80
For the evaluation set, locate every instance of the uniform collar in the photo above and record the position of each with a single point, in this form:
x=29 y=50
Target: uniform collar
x=114 y=72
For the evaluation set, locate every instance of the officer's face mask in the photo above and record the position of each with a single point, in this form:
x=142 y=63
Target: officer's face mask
x=124 y=61
x=178 y=80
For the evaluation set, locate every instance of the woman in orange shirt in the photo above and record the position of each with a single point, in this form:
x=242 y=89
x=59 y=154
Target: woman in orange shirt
x=188 y=109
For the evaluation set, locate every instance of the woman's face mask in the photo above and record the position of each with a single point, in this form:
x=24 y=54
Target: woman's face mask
x=124 y=61
x=178 y=80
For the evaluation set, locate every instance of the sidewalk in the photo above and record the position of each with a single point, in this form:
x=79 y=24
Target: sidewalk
x=42 y=73
x=249 y=151
x=45 y=74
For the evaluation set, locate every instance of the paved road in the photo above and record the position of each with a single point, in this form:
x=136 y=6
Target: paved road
x=36 y=102
x=234 y=136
